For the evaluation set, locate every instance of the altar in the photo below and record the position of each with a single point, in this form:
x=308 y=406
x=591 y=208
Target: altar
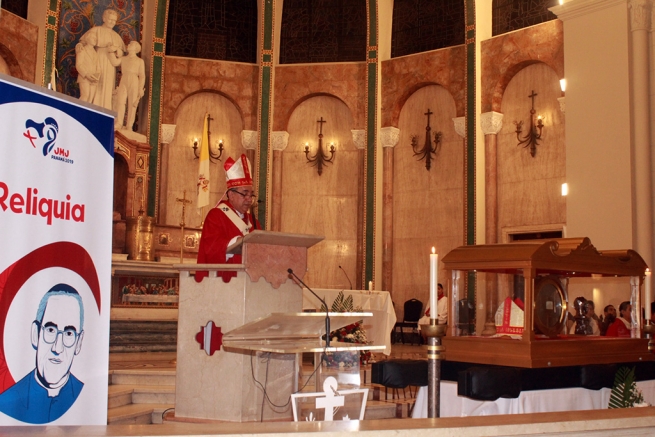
x=530 y=401
x=378 y=328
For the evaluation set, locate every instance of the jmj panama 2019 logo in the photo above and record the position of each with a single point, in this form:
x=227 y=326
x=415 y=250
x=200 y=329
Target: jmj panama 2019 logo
x=43 y=136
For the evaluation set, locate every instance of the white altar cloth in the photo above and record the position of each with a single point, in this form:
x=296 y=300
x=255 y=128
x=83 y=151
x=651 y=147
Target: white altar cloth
x=532 y=401
x=378 y=328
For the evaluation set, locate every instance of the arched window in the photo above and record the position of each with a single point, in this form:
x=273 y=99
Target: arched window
x=423 y=25
x=323 y=31
x=225 y=30
x=17 y=7
x=509 y=15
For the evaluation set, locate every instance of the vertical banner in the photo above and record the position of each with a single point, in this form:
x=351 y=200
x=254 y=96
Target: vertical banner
x=56 y=191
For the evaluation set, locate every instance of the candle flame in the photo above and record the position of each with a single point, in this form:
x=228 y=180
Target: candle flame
x=648 y=271
x=433 y=250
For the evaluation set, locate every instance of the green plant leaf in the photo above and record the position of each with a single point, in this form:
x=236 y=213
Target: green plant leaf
x=624 y=391
x=337 y=305
x=348 y=304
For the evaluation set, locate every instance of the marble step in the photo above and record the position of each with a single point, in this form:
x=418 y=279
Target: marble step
x=143 y=336
x=142 y=377
x=137 y=414
x=120 y=395
x=380 y=410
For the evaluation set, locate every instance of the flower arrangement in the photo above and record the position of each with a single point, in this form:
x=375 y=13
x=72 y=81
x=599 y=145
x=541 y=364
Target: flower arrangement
x=353 y=333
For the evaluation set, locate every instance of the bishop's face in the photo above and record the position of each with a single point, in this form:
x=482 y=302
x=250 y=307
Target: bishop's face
x=58 y=339
x=241 y=198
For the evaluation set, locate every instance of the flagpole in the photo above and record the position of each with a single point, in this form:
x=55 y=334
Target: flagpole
x=203 y=183
x=184 y=202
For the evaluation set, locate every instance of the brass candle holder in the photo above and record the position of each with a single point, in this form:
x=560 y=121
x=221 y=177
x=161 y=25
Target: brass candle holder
x=649 y=330
x=436 y=352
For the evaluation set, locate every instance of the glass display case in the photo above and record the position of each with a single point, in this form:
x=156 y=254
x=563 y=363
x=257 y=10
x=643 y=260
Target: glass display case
x=526 y=304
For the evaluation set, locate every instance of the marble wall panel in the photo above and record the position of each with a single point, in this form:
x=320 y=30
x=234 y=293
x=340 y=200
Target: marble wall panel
x=428 y=206
x=402 y=76
x=505 y=55
x=325 y=205
x=184 y=77
x=18 y=45
x=529 y=189
x=182 y=171
x=294 y=83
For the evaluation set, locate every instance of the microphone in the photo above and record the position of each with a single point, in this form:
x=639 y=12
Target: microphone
x=327 y=314
x=344 y=272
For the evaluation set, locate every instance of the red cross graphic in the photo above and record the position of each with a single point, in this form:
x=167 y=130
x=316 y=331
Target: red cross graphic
x=30 y=137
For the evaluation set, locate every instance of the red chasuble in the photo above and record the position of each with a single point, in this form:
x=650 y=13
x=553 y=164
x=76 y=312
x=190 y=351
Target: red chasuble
x=217 y=232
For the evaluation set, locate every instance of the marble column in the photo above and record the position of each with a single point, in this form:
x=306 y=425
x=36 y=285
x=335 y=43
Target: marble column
x=389 y=137
x=279 y=142
x=459 y=123
x=166 y=137
x=249 y=142
x=491 y=123
x=359 y=140
x=642 y=178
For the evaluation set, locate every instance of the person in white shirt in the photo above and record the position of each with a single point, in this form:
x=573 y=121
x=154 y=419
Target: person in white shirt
x=442 y=311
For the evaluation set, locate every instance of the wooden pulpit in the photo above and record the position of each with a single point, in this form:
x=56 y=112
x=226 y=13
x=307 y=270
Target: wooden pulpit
x=227 y=384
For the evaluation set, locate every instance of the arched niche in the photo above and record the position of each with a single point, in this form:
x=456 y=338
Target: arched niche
x=328 y=204
x=182 y=172
x=529 y=188
x=9 y=64
x=4 y=67
x=428 y=205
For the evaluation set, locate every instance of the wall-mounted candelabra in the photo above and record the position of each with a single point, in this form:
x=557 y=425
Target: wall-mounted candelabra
x=426 y=152
x=532 y=137
x=320 y=159
x=213 y=155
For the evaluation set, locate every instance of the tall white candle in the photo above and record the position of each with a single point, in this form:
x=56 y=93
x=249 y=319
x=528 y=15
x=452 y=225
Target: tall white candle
x=434 y=280
x=370 y=285
x=648 y=296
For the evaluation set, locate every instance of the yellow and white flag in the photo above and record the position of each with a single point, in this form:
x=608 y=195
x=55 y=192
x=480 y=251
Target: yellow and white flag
x=53 y=69
x=203 y=167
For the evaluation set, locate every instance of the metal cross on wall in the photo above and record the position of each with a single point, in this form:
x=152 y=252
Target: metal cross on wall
x=531 y=139
x=427 y=150
x=319 y=159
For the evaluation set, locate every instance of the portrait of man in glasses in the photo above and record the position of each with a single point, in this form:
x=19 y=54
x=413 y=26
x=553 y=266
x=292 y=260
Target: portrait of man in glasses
x=47 y=392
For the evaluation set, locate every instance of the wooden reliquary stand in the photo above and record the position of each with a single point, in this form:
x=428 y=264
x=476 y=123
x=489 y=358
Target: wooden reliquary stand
x=513 y=304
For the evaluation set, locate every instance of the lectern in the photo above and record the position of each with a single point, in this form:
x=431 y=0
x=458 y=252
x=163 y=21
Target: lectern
x=226 y=383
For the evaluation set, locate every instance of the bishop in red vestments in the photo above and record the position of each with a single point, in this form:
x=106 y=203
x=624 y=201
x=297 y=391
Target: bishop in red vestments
x=229 y=219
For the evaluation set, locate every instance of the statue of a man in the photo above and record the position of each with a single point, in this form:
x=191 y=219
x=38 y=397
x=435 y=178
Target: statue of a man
x=132 y=86
x=109 y=48
x=88 y=68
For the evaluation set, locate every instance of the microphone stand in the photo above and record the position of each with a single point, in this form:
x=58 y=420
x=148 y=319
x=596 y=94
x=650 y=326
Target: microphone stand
x=327 y=314
x=346 y=274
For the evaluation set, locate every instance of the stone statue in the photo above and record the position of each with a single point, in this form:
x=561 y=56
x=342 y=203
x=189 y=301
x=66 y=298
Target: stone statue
x=88 y=68
x=132 y=86
x=109 y=47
